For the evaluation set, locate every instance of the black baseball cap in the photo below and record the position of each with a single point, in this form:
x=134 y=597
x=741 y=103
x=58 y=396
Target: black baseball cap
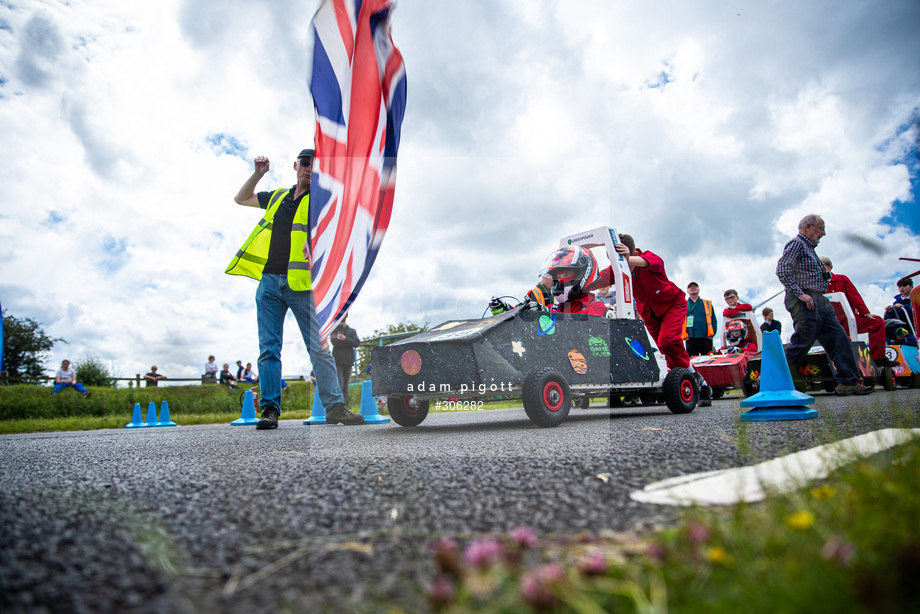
x=306 y=153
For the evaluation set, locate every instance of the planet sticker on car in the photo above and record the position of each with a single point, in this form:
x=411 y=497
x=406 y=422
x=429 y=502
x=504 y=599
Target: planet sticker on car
x=546 y=325
x=578 y=361
x=411 y=362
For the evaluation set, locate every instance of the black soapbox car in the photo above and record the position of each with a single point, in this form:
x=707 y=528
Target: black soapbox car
x=542 y=356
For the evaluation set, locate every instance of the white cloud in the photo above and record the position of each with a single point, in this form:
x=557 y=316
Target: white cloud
x=704 y=129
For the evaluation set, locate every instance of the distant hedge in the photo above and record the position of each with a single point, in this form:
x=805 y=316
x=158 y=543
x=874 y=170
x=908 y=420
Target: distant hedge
x=30 y=401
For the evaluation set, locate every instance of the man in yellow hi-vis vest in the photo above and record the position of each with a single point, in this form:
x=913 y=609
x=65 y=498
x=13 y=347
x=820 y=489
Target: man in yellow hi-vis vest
x=701 y=324
x=275 y=254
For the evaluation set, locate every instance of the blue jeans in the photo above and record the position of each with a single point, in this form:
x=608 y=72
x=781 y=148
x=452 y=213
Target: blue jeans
x=273 y=299
x=819 y=324
x=78 y=386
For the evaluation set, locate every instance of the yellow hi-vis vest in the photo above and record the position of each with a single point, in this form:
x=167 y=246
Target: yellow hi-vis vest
x=707 y=308
x=251 y=258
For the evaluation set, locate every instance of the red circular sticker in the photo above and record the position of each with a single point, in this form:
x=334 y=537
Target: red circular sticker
x=410 y=362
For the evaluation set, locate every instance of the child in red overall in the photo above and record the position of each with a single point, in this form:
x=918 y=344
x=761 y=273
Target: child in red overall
x=662 y=305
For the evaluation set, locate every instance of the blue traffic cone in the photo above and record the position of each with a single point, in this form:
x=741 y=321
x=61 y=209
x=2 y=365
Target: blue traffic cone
x=135 y=418
x=369 y=405
x=151 y=419
x=164 y=416
x=318 y=413
x=248 y=412
x=778 y=399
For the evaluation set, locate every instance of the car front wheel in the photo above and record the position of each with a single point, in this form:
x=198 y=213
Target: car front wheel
x=407 y=410
x=681 y=390
x=547 y=397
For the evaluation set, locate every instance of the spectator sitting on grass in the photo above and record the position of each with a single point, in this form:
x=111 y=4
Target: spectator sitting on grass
x=153 y=378
x=249 y=375
x=67 y=378
x=226 y=377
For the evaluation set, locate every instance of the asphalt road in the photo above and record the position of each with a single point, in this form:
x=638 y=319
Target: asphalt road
x=317 y=518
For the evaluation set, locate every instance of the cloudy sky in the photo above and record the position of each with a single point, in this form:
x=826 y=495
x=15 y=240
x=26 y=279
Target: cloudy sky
x=705 y=129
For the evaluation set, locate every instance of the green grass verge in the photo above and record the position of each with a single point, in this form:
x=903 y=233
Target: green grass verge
x=27 y=409
x=32 y=408
x=849 y=544
x=90 y=423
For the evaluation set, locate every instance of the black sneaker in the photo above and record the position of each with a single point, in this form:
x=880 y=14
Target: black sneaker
x=705 y=397
x=269 y=418
x=86 y=394
x=338 y=412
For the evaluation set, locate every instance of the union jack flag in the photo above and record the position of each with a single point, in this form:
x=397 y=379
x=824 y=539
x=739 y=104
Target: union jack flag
x=358 y=82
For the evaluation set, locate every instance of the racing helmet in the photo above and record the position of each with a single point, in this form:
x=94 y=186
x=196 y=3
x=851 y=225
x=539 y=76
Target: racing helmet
x=735 y=333
x=573 y=269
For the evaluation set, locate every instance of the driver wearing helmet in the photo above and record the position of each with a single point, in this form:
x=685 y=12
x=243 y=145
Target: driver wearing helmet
x=899 y=335
x=735 y=337
x=574 y=273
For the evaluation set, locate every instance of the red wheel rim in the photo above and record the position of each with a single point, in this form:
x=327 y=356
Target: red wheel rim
x=410 y=405
x=552 y=396
x=686 y=391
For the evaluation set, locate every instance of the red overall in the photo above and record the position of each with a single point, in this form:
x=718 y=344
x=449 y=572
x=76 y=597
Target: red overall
x=663 y=307
x=874 y=326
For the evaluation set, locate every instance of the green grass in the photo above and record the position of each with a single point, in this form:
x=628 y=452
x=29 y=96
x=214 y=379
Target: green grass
x=849 y=544
x=89 y=423
x=27 y=409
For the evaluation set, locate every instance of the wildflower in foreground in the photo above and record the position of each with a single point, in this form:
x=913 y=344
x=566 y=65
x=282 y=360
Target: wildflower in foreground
x=483 y=552
x=594 y=565
x=447 y=557
x=800 y=521
x=525 y=537
x=441 y=593
x=657 y=552
x=537 y=586
x=718 y=556
x=823 y=492
x=836 y=549
x=697 y=533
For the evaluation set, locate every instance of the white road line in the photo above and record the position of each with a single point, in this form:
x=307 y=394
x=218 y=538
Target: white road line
x=785 y=473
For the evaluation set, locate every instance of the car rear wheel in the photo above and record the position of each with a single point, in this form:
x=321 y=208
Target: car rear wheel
x=681 y=390
x=614 y=400
x=584 y=402
x=718 y=392
x=649 y=398
x=750 y=383
x=547 y=397
x=888 y=379
x=407 y=410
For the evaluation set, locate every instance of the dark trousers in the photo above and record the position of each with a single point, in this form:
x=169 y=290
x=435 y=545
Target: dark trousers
x=344 y=372
x=819 y=324
x=699 y=346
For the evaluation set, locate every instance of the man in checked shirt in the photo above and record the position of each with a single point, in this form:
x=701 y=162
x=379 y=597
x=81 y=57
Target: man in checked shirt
x=803 y=275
